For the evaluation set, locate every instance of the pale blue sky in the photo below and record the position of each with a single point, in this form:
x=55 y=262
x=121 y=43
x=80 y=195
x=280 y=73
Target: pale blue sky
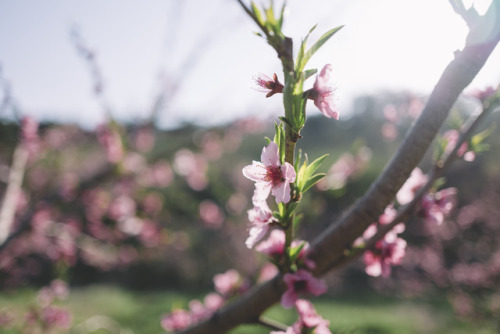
x=210 y=45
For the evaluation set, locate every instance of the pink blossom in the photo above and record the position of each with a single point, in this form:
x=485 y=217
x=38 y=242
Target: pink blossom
x=416 y=180
x=111 y=142
x=260 y=217
x=122 y=207
x=268 y=85
x=301 y=282
x=228 y=282
x=270 y=176
x=267 y=272
x=388 y=216
x=435 y=207
x=213 y=301
x=211 y=214
x=309 y=318
x=323 y=93
x=58 y=317
x=484 y=94
x=452 y=137
x=274 y=246
x=150 y=234
x=177 y=320
x=386 y=252
x=193 y=167
x=198 y=311
x=161 y=174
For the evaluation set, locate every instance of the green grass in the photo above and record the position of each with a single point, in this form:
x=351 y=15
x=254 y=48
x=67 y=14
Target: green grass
x=120 y=311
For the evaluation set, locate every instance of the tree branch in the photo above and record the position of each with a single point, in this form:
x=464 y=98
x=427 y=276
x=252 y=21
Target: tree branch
x=405 y=211
x=328 y=248
x=9 y=205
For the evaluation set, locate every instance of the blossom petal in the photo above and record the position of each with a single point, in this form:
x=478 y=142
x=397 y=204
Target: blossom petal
x=288 y=172
x=262 y=190
x=270 y=155
x=288 y=298
x=256 y=234
x=256 y=171
x=282 y=192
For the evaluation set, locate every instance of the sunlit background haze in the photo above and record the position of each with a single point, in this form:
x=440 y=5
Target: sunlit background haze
x=204 y=54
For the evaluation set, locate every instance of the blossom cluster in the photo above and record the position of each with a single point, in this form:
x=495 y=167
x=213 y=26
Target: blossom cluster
x=44 y=315
x=309 y=320
x=227 y=285
x=434 y=207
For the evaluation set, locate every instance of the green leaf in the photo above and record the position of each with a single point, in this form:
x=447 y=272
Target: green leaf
x=315 y=164
x=301 y=61
x=312 y=181
x=277 y=216
x=301 y=175
x=438 y=183
x=286 y=121
x=281 y=209
x=440 y=148
x=282 y=14
x=479 y=137
x=256 y=13
x=322 y=40
x=309 y=73
x=298 y=157
x=290 y=209
x=277 y=137
x=295 y=251
x=271 y=20
x=282 y=143
x=483 y=147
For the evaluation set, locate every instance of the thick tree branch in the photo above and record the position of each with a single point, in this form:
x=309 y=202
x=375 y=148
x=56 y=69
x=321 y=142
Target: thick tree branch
x=406 y=211
x=329 y=247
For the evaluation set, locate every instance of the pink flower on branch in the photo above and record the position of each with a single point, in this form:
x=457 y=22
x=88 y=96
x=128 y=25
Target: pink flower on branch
x=416 y=181
x=299 y=283
x=323 y=93
x=387 y=252
x=260 y=217
x=177 y=320
x=436 y=207
x=270 y=176
x=309 y=318
x=452 y=137
x=228 y=283
x=268 y=85
x=274 y=247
